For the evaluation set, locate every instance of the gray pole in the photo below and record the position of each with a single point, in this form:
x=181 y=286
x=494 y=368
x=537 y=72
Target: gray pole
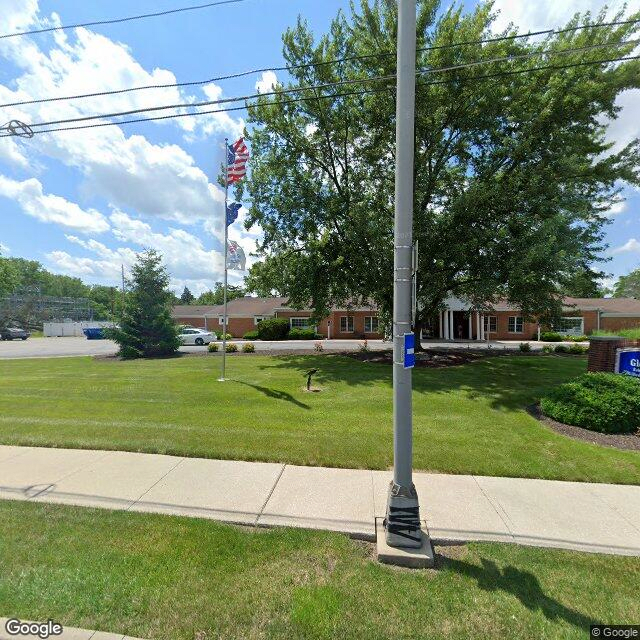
x=402 y=522
x=226 y=250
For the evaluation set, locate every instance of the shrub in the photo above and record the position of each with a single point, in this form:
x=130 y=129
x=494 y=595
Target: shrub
x=562 y=348
x=547 y=348
x=605 y=402
x=578 y=338
x=623 y=333
x=302 y=334
x=251 y=335
x=550 y=336
x=525 y=347
x=213 y=347
x=363 y=346
x=273 y=329
x=318 y=347
x=232 y=347
x=219 y=335
x=247 y=347
x=578 y=349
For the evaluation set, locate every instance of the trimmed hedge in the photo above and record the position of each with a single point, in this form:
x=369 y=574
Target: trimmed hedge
x=550 y=336
x=250 y=335
x=219 y=335
x=232 y=347
x=604 y=402
x=213 y=347
x=302 y=334
x=273 y=329
x=248 y=347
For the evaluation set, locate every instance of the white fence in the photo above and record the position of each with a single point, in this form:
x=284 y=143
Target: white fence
x=70 y=329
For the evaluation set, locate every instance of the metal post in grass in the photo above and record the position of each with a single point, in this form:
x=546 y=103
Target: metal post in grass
x=226 y=251
x=402 y=522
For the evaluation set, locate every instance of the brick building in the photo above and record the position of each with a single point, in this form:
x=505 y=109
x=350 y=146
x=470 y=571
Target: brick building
x=244 y=315
x=581 y=316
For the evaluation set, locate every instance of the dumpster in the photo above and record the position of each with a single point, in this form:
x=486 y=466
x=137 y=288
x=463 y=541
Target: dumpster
x=94 y=333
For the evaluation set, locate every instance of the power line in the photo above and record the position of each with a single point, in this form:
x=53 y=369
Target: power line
x=242 y=74
x=119 y=20
x=183 y=105
x=333 y=96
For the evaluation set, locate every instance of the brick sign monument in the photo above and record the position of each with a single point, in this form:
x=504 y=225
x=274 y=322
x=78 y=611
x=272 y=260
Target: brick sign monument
x=615 y=355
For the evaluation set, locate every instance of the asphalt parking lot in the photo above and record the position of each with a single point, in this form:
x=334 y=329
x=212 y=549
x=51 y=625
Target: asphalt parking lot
x=66 y=347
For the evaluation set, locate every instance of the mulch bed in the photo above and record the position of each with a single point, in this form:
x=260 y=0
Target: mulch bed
x=625 y=441
x=433 y=358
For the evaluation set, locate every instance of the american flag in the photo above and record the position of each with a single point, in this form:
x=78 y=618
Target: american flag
x=237 y=156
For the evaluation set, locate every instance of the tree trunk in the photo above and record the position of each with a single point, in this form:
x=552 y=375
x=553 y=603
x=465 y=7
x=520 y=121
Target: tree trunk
x=417 y=330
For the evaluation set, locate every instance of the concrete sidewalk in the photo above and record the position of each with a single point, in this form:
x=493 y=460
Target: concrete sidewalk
x=68 y=633
x=568 y=515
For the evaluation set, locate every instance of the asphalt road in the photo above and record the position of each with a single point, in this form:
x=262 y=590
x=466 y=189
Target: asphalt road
x=65 y=347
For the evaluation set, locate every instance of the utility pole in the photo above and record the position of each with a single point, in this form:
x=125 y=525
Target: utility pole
x=226 y=251
x=402 y=522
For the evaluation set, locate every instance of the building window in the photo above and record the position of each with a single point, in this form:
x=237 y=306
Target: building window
x=258 y=319
x=221 y=320
x=515 y=324
x=572 y=326
x=299 y=323
x=371 y=324
x=491 y=324
x=346 y=324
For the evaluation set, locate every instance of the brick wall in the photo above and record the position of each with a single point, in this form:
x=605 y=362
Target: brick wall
x=615 y=324
x=602 y=352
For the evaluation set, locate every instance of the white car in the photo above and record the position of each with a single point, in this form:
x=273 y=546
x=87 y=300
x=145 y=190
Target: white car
x=190 y=335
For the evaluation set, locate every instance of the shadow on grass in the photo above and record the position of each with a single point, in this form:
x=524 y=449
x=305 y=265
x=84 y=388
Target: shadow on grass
x=523 y=585
x=275 y=393
x=508 y=382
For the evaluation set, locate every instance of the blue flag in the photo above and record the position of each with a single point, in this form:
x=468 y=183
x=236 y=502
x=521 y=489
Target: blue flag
x=232 y=212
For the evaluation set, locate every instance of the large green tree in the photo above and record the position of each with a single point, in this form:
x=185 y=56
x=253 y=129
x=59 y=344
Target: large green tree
x=145 y=328
x=628 y=286
x=513 y=172
x=215 y=296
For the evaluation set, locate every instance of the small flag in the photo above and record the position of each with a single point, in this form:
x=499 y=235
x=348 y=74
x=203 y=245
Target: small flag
x=237 y=156
x=235 y=257
x=232 y=212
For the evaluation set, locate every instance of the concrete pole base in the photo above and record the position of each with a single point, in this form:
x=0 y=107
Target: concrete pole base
x=421 y=557
x=402 y=522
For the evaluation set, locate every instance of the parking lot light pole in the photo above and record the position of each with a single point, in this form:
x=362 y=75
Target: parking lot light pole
x=402 y=522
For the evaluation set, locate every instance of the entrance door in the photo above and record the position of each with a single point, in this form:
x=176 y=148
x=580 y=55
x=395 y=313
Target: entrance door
x=461 y=325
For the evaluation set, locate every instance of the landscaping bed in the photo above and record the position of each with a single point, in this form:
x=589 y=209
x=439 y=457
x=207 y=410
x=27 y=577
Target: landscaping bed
x=623 y=441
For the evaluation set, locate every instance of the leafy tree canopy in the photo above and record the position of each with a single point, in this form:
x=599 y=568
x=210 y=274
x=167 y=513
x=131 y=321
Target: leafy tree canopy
x=216 y=296
x=513 y=173
x=628 y=286
x=585 y=284
x=187 y=297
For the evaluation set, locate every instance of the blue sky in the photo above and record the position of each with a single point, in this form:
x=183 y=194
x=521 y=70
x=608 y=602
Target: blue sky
x=84 y=202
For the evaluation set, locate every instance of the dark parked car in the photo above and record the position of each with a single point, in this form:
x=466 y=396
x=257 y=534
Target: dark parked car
x=13 y=333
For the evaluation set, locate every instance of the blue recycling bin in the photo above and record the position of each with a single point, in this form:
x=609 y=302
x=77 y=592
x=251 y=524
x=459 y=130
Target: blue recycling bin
x=94 y=333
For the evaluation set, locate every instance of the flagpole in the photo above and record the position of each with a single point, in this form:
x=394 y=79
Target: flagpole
x=226 y=251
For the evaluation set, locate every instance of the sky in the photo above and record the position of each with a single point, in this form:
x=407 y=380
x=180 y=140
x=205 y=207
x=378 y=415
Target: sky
x=84 y=202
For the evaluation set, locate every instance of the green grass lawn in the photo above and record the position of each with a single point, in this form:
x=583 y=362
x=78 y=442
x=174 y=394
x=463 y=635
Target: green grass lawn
x=468 y=419
x=168 y=577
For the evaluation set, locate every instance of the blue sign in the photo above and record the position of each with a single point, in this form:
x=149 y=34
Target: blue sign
x=409 y=351
x=628 y=362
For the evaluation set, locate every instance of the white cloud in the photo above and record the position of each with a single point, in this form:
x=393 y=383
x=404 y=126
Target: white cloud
x=267 y=82
x=4 y=249
x=129 y=171
x=616 y=209
x=547 y=14
x=631 y=246
x=52 y=208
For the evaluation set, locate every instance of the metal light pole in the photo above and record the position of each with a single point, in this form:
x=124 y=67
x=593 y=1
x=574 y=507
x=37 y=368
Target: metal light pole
x=402 y=522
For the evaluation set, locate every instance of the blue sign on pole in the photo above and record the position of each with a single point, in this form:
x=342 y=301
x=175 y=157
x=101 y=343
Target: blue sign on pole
x=628 y=362
x=409 y=351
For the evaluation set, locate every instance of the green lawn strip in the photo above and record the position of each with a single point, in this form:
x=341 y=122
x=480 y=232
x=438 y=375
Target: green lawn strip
x=468 y=419
x=170 y=577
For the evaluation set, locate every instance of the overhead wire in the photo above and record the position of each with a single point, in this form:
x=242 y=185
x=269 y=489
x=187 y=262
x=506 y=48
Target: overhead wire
x=339 y=83
x=140 y=16
x=308 y=65
x=331 y=96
